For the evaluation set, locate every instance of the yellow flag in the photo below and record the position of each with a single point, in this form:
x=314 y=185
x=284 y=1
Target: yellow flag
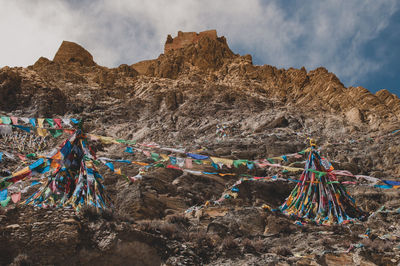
x=41 y=131
x=227 y=162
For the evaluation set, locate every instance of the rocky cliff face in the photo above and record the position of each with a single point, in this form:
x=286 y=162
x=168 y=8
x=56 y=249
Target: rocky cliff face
x=178 y=99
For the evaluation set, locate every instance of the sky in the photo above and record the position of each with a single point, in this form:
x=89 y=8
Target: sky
x=357 y=40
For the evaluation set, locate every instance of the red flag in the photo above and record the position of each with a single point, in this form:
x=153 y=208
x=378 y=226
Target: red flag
x=16 y=197
x=14 y=120
x=58 y=122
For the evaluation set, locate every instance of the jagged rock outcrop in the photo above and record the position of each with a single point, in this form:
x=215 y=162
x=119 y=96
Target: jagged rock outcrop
x=187 y=38
x=70 y=52
x=390 y=99
x=204 y=51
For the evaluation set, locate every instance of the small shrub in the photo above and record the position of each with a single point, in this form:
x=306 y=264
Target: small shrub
x=169 y=230
x=284 y=251
x=90 y=213
x=177 y=219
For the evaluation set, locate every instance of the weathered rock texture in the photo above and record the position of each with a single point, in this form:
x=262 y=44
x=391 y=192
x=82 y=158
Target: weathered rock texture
x=70 y=52
x=187 y=38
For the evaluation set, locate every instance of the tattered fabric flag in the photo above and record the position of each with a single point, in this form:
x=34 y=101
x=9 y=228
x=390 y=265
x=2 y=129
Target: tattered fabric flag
x=32 y=121
x=155 y=156
x=383 y=186
x=110 y=165
x=188 y=163
x=50 y=121
x=36 y=164
x=75 y=121
x=34 y=183
x=174 y=150
x=250 y=165
x=140 y=163
x=227 y=162
x=25 y=119
x=53 y=186
x=124 y=161
x=66 y=121
x=237 y=163
x=3 y=194
x=392 y=182
x=58 y=122
x=55 y=132
x=214 y=165
x=6 y=120
x=194 y=172
x=27 y=129
x=180 y=162
x=14 y=120
x=164 y=157
x=129 y=150
x=118 y=171
x=172 y=160
x=66 y=149
x=16 y=197
x=197 y=156
x=40 y=130
x=5 y=202
x=1 y=156
x=147 y=153
x=22 y=157
x=173 y=167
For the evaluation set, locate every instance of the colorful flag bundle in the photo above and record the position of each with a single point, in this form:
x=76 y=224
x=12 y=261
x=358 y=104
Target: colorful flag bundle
x=73 y=180
x=319 y=196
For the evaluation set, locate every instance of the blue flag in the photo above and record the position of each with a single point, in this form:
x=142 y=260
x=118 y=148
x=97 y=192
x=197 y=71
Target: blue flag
x=129 y=150
x=3 y=194
x=32 y=121
x=110 y=165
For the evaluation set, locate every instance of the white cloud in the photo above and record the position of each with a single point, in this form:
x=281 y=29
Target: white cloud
x=318 y=33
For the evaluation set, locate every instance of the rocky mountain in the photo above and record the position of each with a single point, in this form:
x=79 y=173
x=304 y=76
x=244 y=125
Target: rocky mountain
x=178 y=100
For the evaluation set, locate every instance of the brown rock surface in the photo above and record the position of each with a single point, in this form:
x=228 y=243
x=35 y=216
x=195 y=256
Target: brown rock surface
x=70 y=52
x=187 y=38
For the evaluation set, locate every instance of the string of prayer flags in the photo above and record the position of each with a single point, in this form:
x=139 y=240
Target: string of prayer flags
x=52 y=122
